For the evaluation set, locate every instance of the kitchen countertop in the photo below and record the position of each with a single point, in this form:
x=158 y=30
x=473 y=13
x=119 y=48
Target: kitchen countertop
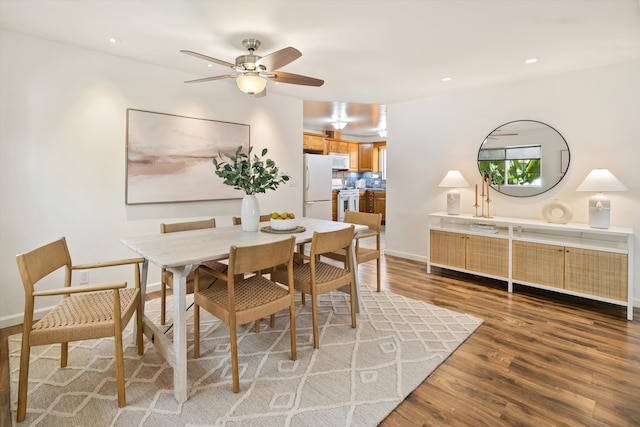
x=337 y=190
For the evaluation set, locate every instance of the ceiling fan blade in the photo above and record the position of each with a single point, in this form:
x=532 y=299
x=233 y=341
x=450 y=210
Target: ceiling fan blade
x=279 y=59
x=207 y=58
x=295 y=79
x=208 y=79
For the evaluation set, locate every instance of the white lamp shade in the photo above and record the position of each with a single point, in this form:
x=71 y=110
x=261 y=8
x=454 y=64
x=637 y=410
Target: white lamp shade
x=453 y=179
x=600 y=180
x=251 y=83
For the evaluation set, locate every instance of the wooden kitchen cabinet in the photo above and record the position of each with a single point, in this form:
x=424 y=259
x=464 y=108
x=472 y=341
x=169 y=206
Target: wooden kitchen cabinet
x=353 y=157
x=362 y=202
x=314 y=143
x=380 y=203
x=573 y=259
x=334 y=205
x=376 y=202
x=338 y=146
x=365 y=157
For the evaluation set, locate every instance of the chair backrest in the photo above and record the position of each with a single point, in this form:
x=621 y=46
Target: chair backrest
x=331 y=241
x=248 y=259
x=238 y=220
x=186 y=226
x=40 y=262
x=371 y=220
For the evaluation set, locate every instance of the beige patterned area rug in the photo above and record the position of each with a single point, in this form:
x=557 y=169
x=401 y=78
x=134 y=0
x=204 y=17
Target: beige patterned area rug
x=357 y=377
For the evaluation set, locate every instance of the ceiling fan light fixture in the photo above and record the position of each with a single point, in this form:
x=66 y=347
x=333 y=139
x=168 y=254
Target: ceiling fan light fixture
x=251 y=83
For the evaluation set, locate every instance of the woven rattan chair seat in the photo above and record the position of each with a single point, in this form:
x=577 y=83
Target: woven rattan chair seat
x=205 y=278
x=82 y=316
x=249 y=293
x=325 y=273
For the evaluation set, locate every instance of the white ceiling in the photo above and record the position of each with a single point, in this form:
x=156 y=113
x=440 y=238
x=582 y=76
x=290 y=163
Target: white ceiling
x=367 y=51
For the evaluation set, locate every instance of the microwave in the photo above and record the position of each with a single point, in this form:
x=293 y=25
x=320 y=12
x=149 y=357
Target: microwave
x=339 y=161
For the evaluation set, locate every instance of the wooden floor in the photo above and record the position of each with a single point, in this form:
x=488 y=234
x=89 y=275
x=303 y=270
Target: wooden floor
x=539 y=359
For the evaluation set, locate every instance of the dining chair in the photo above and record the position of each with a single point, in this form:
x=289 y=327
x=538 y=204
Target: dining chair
x=316 y=277
x=85 y=312
x=236 y=220
x=248 y=297
x=167 y=277
x=373 y=221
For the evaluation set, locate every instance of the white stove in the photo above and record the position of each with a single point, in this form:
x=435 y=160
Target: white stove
x=348 y=200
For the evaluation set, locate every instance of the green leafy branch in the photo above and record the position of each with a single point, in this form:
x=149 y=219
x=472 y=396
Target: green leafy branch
x=252 y=176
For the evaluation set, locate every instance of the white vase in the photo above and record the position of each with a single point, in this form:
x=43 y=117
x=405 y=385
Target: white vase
x=250 y=213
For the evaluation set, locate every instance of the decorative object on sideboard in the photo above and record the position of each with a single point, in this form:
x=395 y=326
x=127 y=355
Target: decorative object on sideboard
x=484 y=196
x=600 y=180
x=557 y=212
x=453 y=179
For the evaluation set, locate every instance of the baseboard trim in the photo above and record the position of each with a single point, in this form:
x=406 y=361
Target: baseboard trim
x=405 y=255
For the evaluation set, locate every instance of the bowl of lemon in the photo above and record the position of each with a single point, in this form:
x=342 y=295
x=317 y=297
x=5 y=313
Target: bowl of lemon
x=283 y=221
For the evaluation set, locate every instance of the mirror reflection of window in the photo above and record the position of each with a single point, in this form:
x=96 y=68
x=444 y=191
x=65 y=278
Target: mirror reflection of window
x=524 y=158
x=512 y=166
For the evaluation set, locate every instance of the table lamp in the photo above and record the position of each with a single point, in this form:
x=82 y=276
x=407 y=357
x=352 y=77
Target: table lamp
x=600 y=180
x=453 y=179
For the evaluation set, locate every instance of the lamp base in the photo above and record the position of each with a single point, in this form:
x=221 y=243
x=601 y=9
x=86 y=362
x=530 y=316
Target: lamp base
x=453 y=202
x=599 y=211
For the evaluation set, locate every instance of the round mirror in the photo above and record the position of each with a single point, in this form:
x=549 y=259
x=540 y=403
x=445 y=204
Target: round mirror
x=523 y=158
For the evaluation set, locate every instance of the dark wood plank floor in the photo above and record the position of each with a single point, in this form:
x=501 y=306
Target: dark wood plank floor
x=540 y=359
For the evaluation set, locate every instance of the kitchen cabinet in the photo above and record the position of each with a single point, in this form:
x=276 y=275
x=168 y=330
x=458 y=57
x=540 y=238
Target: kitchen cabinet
x=365 y=157
x=377 y=146
x=338 y=146
x=573 y=259
x=334 y=205
x=376 y=202
x=353 y=157
x=314 y=143
x=362 y=202
x=380 y=203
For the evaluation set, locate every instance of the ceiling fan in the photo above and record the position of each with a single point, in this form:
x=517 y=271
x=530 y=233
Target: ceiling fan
x=252 y=71
x=494 y=135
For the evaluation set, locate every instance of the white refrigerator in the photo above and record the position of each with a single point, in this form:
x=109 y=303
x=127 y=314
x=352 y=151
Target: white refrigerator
x=317 y=186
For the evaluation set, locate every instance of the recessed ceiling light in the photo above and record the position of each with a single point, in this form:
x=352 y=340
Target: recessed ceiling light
x=209 y=65
x=114 y=40
x=446 y=79
x=531 y=61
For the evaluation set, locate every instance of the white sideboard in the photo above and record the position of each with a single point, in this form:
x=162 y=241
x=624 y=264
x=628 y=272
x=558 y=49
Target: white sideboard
x=573 y=259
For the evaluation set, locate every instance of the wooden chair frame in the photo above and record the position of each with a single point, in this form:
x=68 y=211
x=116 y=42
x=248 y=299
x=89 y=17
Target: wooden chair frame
x=85 y=312
x=316 y=277
x=166 y=276
x=374 y=225
x=248 y=297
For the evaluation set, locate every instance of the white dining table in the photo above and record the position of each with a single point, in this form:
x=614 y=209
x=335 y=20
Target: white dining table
x=182 y=252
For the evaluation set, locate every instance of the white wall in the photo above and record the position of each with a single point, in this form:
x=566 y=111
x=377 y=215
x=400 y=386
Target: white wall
x=62 y=152
x=597 y=111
